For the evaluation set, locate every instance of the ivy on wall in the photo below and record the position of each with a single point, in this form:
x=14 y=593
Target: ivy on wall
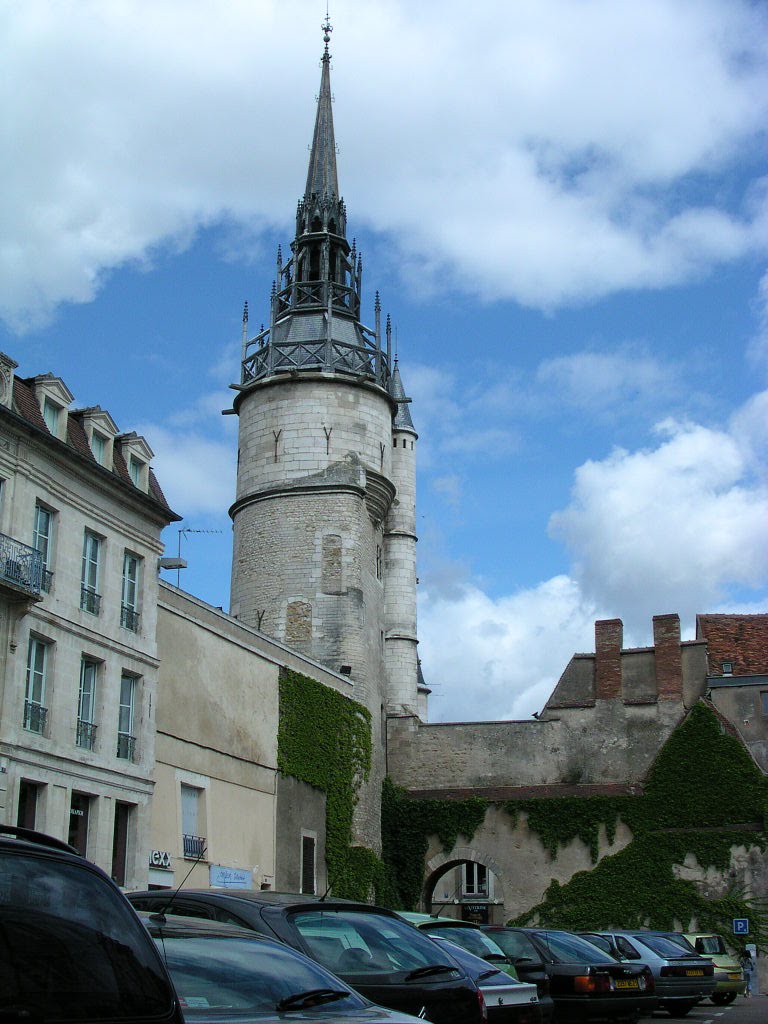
x=704 y=795
x=324 y=739
x=406 y=826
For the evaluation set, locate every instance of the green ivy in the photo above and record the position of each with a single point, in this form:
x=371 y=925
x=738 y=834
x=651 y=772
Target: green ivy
x=406 y=826
x=324 y=739
x=701 y=788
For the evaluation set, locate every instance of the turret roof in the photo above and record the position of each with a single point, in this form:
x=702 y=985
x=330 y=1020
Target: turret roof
x=322 y=178
x=402 y=419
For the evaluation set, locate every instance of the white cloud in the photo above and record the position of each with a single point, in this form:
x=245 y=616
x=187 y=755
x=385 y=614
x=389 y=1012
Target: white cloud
x=499 y=658
x=680 y=527
x=595 y=167
x=196 y=472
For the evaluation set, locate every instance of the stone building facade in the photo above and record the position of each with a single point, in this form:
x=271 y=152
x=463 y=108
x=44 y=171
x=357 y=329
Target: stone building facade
x=80 y=528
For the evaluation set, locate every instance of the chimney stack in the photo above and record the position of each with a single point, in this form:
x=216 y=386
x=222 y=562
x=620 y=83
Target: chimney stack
x=667 y=657
x=609 y=638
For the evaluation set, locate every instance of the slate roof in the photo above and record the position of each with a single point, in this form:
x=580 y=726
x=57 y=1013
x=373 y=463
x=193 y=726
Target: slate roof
x=26 y=407
x=739 y=639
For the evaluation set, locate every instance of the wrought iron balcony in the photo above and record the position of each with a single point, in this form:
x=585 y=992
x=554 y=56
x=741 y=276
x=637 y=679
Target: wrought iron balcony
x=194 y=847
x=126 y=746
x=129 y=618
x=35 y=716
x=86 y=734
x=21 y=567
x=90 y=601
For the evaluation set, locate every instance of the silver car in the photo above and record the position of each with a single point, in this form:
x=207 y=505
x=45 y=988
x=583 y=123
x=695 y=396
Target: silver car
x=682 y=978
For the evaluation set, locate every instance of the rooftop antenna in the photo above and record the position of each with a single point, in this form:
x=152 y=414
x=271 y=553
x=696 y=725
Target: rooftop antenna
x=179 y=562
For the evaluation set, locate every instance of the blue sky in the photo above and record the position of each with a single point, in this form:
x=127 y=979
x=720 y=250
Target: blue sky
x=564 y=207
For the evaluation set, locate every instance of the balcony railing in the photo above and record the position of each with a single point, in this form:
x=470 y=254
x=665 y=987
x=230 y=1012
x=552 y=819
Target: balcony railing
x=86 y=734
x=126 y=746
x=90 y=601
x=129 y=618
x=20 y=566
x=194 y=847
x=35 y=716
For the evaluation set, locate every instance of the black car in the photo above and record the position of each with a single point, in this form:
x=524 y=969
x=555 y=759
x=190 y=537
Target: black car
x=222 y=972
x=371 y=949
x=71 y=947
x=585 y=983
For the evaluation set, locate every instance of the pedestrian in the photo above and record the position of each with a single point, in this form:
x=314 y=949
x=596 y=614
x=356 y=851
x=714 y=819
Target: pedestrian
x=748 y=966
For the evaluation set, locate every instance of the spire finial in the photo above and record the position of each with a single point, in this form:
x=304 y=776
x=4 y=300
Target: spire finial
x=327 y=28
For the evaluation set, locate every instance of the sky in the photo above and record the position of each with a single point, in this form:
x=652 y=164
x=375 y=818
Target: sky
x=564 y=207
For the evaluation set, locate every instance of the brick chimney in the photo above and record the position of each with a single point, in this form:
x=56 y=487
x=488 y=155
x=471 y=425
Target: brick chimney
x=667 y=657
x=609 y=638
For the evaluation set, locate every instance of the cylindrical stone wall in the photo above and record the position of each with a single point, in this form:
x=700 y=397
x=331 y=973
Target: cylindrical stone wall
x=400 y=644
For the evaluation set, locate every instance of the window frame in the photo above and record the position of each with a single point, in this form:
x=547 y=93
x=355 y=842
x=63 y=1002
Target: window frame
x=130 y=681
x=35 y=689
x=87 y=703
x=90 y=573
x=43 y=541
x=130 y=591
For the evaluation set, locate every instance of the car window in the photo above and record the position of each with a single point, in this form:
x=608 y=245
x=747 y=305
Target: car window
x=517 y=945
x=71 y=948
x=710 y=945
x=664 y=947
x=359 y=943
x=213 y=972
x=600 y=941
x=568 y=949
x=471 y=939
x=626 y=948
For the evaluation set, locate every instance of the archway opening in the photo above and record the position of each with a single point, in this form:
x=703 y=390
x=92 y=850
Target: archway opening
x=466 y=889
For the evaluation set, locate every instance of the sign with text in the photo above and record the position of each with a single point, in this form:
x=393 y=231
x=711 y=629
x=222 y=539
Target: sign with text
x=741 y=926
x=230 y=878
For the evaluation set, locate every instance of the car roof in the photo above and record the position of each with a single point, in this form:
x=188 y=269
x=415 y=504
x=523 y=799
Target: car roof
x=430 y=919
x=262 y=897
x=14 y=837
x=178 y=925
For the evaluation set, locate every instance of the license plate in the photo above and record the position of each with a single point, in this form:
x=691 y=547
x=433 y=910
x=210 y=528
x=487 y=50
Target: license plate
x=627 y=983
x=695 y=974
x=734 y=977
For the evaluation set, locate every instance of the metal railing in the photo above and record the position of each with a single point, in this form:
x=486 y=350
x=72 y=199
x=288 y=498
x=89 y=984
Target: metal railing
x=90 y=601
x=126 y=746
x=129 y=618
x=20 y=565
x=35 y=717
x=194 y=847
x=86 y=734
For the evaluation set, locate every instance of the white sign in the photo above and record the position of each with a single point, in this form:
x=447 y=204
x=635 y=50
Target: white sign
x=160 y=859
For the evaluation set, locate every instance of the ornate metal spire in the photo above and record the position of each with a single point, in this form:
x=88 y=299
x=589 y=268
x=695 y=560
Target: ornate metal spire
x=315 y=303
x=322 y=177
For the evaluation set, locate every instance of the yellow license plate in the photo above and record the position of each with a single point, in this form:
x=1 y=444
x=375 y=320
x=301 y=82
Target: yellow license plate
x=695 y=974
x=628 y=983
x=734 y=977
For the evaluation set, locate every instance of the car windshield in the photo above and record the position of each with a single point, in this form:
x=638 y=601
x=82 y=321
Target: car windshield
x=72 y=949
x=569 y=949
x=471 y=939
x=664 y=947
x=516 y=945
x=223 y=972
x=710 y=945
x=349 y=942
x=600 y=941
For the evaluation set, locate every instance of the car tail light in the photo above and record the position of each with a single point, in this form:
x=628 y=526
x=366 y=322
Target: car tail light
x=650 y=984
x=483 y=1007
x=589 y=984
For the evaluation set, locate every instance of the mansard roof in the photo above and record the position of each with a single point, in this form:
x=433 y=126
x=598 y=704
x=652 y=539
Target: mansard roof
x=27 y=409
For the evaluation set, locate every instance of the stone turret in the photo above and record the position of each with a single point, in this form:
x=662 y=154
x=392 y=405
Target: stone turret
x=324 y=511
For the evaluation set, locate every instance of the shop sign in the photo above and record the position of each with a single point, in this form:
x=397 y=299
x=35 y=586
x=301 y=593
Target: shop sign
x=230 y=878
x=160 y=859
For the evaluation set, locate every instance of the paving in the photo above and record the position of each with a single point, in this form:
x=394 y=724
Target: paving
x=742 y=1011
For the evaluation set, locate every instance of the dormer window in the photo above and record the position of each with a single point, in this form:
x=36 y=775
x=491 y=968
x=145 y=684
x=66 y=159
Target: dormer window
x=99 y=448
x=51 y=413
x=136 y=470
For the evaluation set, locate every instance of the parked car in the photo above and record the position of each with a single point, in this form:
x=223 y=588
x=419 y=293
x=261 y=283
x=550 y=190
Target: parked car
x=586 y=983
x=465 y=934
x=221 y=971
x=373 y=950
x=682 y=977
x=71 y=947
x=507 y=1000
x=729 y=976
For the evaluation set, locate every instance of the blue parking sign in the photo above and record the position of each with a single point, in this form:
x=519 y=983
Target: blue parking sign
x=741 y=926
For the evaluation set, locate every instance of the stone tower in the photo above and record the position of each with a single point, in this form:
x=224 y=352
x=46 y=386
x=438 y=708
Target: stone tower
x=324 y=518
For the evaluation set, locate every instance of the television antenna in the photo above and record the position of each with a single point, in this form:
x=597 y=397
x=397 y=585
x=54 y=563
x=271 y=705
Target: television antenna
x=178 y=563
